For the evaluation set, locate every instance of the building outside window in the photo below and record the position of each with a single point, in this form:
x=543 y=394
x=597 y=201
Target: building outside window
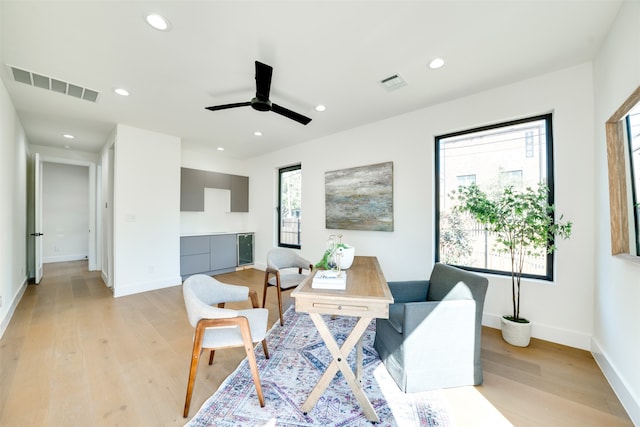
x=516 y=153
x=463 y=180
x=290 y=206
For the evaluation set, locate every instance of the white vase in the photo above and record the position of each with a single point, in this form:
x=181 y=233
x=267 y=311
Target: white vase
x=516 y=333
x=346 y=259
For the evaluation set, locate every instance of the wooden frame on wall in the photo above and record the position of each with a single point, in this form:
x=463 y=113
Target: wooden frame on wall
x=618 y=196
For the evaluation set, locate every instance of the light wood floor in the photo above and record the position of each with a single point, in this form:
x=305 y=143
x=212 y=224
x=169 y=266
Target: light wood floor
x=75 y=356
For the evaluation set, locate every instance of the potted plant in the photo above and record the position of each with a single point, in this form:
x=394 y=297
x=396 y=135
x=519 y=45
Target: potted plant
x=337 y=252
x=523 y=225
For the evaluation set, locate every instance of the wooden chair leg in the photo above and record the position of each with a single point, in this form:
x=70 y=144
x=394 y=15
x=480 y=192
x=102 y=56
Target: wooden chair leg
x=193 y=368
x=253 y=296
x=248 y=346
x=280 y=304
x=211 y=357
x=264 y=291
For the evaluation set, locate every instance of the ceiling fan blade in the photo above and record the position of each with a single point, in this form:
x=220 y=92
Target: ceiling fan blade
x=226 y=106
x=290 y=114
x=263 y=81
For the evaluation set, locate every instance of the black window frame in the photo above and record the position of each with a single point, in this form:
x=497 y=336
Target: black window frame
x=281 y=171
x=548 y=118
x=632 y=172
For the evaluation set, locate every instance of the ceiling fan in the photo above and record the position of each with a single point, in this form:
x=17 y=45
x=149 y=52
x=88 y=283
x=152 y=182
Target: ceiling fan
x=261 y=101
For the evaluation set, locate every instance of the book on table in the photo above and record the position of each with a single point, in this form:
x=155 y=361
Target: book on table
x=327 y=279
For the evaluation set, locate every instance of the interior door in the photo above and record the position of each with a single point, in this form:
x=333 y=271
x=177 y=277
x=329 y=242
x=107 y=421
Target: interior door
x=37 y=234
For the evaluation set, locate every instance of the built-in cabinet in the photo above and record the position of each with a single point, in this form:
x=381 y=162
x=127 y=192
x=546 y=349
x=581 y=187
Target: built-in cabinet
x=213 y=254
x=194 y=181
x=239 y=193
x=192 y=190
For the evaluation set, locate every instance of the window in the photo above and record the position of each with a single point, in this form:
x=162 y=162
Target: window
x=633 y=136
x=621 y=205
x=516 y=153
x=290 y=206
x=513 y=178
x=466 y=179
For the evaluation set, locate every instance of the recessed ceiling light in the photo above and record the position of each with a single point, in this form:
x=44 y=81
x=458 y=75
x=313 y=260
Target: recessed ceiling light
x=436 y=63
x=68 y=136
x=158 y=22
x=257 y=133
x=220 y=148
x=320 y=107
x=122 y=92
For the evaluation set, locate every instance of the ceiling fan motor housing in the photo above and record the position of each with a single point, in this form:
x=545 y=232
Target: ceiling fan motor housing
x=260 y=105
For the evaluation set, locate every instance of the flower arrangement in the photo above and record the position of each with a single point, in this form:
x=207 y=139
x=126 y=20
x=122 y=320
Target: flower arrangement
x=337 y=256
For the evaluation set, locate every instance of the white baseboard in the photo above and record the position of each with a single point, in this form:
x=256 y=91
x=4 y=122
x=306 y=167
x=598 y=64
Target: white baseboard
x=547 y=333
x=105 y=278
x=64 y=258
x=630 y=402
x=4 y=322
x=136 y=288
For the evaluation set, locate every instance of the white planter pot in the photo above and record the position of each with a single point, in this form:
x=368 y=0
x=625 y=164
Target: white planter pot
x=347 y=257
x=516 y=333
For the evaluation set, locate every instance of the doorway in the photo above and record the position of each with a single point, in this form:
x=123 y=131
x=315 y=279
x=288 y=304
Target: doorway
x=70 y=228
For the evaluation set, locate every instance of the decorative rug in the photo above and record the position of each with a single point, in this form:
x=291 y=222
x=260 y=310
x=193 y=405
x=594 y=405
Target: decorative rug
x=298 y=359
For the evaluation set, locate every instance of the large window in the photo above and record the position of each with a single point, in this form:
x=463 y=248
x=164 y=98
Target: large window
x=518 y=154
x=633 y=136
x=290 y=206
x=622 y=149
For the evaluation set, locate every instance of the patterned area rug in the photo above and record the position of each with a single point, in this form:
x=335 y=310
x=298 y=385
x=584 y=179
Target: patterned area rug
x=298 y=359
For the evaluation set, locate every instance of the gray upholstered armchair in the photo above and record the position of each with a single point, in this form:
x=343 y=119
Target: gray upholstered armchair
x=432 y=337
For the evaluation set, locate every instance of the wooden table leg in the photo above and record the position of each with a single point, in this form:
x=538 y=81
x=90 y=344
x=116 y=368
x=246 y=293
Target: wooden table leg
x=359 y=361
x=340 y=355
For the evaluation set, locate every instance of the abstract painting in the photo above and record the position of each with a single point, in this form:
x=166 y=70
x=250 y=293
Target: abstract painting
x=360 y=198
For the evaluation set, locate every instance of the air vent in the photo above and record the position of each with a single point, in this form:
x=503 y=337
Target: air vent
x=393 y=82
x=49 y=83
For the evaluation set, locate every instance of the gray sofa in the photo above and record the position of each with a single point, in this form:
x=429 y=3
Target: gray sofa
x=432 y=337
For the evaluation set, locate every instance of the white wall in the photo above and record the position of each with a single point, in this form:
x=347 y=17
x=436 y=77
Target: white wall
x=68 y=156
x=13 y=209
x=65 y=212
x=146 y=211
x=616 y=340
x=212 y=160
x=560 y=311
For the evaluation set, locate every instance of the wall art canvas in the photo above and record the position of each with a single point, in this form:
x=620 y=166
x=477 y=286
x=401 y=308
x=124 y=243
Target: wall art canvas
x=360 y=198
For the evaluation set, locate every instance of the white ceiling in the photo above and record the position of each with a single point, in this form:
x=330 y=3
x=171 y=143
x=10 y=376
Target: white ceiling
x=323 y=52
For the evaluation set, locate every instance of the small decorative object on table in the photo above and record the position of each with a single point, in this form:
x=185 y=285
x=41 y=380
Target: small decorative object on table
x=338 y=255
x=330 y=279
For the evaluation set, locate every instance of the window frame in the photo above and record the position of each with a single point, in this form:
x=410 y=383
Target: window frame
x=633 y=168
x=548 y=118
x=619 y=203
x=281 y=171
